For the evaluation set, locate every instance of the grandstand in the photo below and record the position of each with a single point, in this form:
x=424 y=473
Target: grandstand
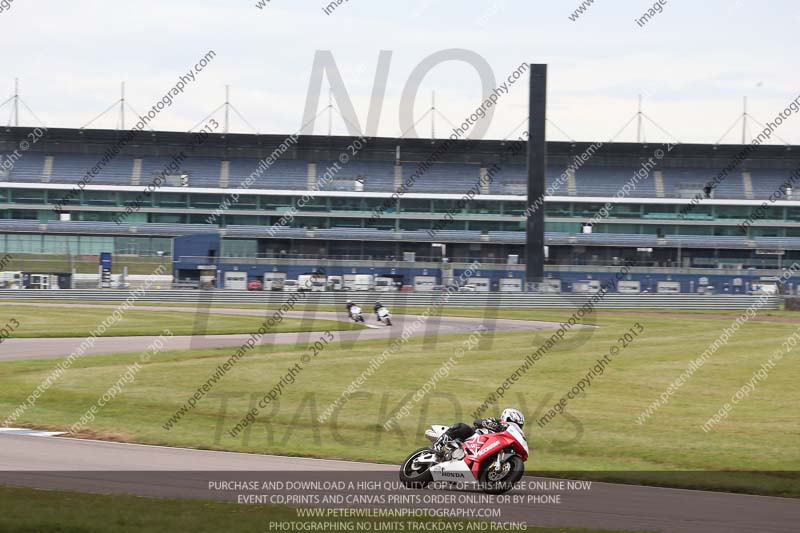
x=645 y=225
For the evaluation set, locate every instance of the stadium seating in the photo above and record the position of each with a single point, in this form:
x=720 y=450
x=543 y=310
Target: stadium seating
x=607 y=181
x=200 y=171
x=513 y=179
x=453 y=178
x=685 y=183
x=767 y=181
x=372 y=234
x=379 y=176
x=283 y=174
x=376 y=175
x=28 y=168
x=70 y=168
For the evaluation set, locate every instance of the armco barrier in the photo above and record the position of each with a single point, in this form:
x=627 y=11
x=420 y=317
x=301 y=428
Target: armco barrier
x=366 y=299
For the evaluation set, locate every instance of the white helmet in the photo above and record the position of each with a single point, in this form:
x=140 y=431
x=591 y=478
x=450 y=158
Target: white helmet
x=512 y=415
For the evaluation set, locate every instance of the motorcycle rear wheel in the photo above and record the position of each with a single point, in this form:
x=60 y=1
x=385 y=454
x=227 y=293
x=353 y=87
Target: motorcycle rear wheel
x=493 y=482
x=416 y=478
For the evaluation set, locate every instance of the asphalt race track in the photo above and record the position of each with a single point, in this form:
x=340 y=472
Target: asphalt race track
x=51 y=348
x=52 y=462
x=108 y=467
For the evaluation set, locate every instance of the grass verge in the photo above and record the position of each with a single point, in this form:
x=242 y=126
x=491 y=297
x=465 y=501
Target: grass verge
x=69 y=321
x=753 y=450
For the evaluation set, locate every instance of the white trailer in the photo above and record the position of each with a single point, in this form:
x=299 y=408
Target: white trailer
x=11 y=280
x=348 y=282
x=629 y=287
x=586 y=286
x=274 y=281
x=364 y=282
x=319 y=284
x=236 y=281
x=383 y=284
x=765 y=286
x=551 y=285
x=424 y=283
x=510 y=285
x=668 y=287
x=311 y=282
x=43 y=282
x=335 y=283
x=480 y=284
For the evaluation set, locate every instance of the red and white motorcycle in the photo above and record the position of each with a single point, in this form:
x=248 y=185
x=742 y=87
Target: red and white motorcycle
x=491 y=462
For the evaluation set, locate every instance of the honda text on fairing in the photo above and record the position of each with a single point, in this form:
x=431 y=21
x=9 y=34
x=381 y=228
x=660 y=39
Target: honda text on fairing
x=491 y=462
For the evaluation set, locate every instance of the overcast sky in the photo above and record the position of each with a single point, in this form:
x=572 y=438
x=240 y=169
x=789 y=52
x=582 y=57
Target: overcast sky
x=693 y=62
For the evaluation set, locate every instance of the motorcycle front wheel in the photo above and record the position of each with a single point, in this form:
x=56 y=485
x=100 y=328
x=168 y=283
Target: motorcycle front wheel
x=416 y=475
x=493 y=481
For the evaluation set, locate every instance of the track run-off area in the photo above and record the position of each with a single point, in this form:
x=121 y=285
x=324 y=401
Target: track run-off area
x=46 y=461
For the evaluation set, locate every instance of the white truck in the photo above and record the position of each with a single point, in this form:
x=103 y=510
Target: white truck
x=424 y=283
x=383 y=284
x=764 y=287
x=480 y=284
x=335 y=283
x=10 y=280
x=274 y=281
x=668 y=287
x=510 y=285
x=586 y=286
x=236 y=281
x=629 y=287
x=364 y=282
x=311 y=282
x=550 y=285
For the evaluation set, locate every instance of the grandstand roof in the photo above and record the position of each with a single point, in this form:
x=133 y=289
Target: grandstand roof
x=319 y=147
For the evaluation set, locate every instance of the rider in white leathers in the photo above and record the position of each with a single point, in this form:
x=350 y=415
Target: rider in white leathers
x=460 y=432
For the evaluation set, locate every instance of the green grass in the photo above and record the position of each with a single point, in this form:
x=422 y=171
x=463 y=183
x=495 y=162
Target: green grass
x=83 y=264
x=598 y=433
x=29 y=511
x=515 y=313
x=79 y=321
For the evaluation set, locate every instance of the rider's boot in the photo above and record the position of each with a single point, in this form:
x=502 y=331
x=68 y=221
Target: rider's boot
x=440 y=446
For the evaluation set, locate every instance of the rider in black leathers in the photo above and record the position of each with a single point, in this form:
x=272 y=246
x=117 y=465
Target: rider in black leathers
x=461 y=432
